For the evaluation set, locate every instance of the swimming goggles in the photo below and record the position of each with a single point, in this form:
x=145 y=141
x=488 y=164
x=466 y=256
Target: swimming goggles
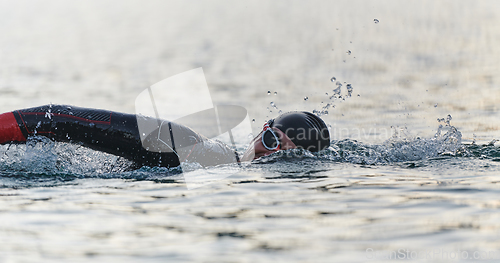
x=270 y=139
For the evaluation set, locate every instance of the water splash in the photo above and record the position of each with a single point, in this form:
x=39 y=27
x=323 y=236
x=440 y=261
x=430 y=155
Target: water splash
x=400 y=148
x=42 y=162
x=338 y=94
x=42 y=156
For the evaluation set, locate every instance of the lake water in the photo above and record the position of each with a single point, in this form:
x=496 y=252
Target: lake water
x=412 y=173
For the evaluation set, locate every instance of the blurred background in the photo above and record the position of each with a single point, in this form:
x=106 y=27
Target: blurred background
x=421 y=61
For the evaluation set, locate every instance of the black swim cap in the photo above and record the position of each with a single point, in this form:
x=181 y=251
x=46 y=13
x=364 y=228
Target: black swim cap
x=305 y=129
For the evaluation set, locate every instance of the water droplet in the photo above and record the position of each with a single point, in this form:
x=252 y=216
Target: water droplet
x=359 y=95
x=306 y=98
x=337 y=90
x=348 y=52
x=272 y=104
x=275 y=93
x=143 y=134
x=435 y=105
x=333 y=79
x=268 y=92
x=376 y=21
x=326 y=94
x=253 y=120
x=69 y=108
x=349 y=90
x=280 y=111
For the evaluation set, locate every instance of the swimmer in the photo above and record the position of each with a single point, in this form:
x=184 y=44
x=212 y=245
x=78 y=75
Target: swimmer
x=118 y=134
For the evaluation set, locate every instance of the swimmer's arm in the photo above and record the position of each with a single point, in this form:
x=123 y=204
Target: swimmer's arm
x=110 y=132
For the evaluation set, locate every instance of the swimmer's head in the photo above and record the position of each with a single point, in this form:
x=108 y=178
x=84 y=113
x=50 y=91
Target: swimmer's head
x=305 y=130
x=297 y=129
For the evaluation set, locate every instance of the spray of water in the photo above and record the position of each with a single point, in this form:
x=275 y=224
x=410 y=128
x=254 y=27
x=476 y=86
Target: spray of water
x=338 y=94
x=401 y=147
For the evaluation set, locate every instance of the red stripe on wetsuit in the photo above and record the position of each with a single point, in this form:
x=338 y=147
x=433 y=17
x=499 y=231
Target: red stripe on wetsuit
x=9 y=129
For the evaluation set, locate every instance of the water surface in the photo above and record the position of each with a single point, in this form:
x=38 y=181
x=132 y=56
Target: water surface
x=393 y=178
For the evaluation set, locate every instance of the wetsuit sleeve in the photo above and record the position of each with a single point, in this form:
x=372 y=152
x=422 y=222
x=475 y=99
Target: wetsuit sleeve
x=107 y=131
x=115 y=133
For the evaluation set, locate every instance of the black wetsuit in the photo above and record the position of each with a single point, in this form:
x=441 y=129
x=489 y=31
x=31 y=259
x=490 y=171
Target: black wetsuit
x=114 y=133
